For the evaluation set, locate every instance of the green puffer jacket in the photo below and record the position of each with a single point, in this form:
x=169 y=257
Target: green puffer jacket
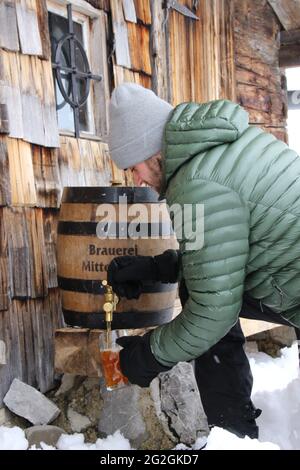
x=249 y=183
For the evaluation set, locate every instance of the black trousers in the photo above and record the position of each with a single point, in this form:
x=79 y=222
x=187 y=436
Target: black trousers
x=223 y=373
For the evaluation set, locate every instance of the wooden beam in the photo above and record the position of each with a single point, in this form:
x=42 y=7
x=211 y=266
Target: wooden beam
x=252 y=327
x=288 y=12
x=289 y=56
x=290 y=37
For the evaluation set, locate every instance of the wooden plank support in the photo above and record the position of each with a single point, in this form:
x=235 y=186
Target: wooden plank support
x=77 y=349
x=290 y=37
x=72 y=352
x=289 y=56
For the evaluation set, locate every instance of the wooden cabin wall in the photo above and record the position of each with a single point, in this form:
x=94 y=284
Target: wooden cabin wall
x=35 y=165
x=201 y=52
x=259 y=79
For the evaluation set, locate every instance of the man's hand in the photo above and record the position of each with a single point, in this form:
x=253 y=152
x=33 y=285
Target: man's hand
x=137 y=362
x=126 y=273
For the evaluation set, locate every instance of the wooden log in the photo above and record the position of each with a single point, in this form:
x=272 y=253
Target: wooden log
x=252 y=327
x=289 y=56
x=5 y=190
x=9 y=38
x=290 y=37
x=288 y=12
x=279 y=132
x=28 y=27
x=263 y=107
x=256 y=55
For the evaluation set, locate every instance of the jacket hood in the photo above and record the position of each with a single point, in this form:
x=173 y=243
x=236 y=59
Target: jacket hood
x=194 y=128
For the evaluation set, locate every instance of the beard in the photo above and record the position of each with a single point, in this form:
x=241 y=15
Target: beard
x=154 y=164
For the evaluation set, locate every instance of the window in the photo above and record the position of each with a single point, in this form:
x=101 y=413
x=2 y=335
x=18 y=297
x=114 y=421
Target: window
x=77 y=87
x=293 y=86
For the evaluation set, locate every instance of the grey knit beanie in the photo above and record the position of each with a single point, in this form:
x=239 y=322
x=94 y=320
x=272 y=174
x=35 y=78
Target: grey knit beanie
x=137 y=121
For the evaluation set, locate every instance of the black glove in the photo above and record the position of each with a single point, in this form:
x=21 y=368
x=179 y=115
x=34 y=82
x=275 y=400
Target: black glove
x=126 y=273
x=137 y=362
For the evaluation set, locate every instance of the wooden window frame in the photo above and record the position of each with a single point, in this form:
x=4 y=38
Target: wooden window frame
x=91 y=19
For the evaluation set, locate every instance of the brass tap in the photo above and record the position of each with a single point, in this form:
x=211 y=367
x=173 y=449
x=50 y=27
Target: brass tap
x=110 y=303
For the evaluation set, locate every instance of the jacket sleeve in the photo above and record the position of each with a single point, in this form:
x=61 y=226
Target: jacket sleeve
x=214 y=275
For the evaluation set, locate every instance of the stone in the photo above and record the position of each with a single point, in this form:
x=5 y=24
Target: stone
x=47 y=434
x=283 y=335
x=67 y=383
x=91 y=383
x=26 y=401
x=179 y=404
x=121 y=412
x=251 y=347
x=6 y=417
x=78 y=422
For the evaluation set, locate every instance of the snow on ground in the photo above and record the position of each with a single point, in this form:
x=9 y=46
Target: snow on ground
x=276 y=391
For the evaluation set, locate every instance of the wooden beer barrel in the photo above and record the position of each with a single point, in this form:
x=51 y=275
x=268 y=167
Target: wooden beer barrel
x=96 y=225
